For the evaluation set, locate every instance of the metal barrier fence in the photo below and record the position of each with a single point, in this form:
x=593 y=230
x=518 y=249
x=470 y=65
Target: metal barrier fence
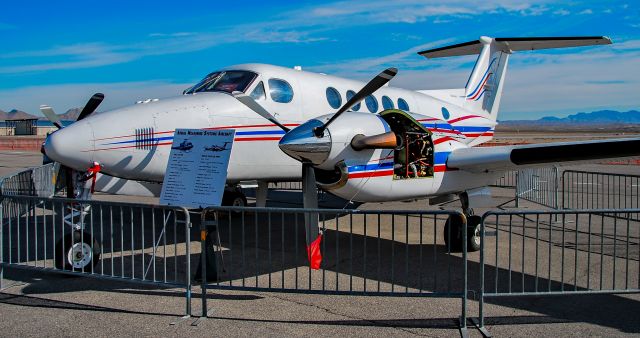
x=133 y=242
x=592 y=190
x=390 y=253
x=508 y=180
x=538 y=185
x=37 y=181
x=585 y=252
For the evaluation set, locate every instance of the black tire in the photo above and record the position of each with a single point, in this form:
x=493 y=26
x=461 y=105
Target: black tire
x=453 y=241
x=234 y=199
x=65 y=245
x=473 y=233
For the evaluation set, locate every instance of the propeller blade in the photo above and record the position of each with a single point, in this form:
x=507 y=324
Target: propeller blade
x=51 y=115
x=310 y=201
x=256 y=107
x=387 y=140
x=91 y=105
x=373 y=85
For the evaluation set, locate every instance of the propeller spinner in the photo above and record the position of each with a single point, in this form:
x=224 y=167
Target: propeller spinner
x=48 y=147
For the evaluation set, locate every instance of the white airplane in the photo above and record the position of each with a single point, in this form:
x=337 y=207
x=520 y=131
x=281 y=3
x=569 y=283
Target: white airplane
x=398 y=144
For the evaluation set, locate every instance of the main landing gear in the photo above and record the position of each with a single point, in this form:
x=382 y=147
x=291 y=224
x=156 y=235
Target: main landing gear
x=234 y=198
x=454 y=226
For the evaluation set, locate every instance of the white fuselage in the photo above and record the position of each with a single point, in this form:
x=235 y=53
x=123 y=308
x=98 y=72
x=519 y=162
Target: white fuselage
x=134 y=142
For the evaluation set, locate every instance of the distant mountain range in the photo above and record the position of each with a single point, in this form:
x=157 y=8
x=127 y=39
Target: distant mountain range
x=71 y=114
x=598 y=117
x=579 y=120
x=602 y=120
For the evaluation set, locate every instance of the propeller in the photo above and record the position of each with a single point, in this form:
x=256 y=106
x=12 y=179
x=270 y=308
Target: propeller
x=309 y=187
x=51 y=115
x=91 y=105
x=88 y=109
x=373 y=85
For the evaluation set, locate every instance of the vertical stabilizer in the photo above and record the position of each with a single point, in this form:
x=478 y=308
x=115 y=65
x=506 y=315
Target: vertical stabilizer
x=483 y=90
x=484 y=87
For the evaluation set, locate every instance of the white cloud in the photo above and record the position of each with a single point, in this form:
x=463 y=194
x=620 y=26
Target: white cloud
x=586 y=11
x=562 y=12
x=303 y=25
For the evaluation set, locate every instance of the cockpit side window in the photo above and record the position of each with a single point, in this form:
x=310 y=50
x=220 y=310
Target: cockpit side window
x=228 y=81
x=280 y=91
x=258 y=92
x=207 y=79
x=232 y=81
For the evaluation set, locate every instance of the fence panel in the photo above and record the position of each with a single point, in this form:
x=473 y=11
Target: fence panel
x=399 y=253
x=583 y=252
x=593 y=190
x=141 y=243
x=538 y=185
x=507 y=180
x=37 y=181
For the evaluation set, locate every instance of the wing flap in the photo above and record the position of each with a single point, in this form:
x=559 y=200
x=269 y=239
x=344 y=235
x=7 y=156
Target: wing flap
x=531 y=155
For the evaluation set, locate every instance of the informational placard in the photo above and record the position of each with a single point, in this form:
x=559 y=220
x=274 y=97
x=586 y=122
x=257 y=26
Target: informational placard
x=197 y=168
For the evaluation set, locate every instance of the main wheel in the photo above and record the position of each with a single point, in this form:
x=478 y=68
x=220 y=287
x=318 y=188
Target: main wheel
x=75 y=252
x=453 y=234
x=473 y=233
x=234 y=199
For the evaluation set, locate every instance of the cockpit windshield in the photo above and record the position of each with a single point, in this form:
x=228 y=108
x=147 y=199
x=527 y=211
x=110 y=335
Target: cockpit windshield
x=227 y=81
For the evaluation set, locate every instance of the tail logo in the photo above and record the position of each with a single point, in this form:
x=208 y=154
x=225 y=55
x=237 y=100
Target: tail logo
x=478 y=92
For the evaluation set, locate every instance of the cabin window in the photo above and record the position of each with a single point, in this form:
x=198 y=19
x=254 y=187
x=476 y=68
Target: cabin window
x=258 y=92
x=333 y=97
x=372 y=103
x=445 y=113
x=350 y=94
x=402 y=104
x=280 y=91
x=387 y=103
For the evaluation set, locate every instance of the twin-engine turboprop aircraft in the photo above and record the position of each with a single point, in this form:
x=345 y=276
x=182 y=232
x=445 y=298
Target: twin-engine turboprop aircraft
x=398 y=144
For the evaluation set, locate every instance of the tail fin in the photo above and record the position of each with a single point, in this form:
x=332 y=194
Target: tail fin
x=484 y=88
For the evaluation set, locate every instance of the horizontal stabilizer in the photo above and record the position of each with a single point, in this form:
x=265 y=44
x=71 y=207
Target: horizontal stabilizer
x=509 y=45
x=532 y=155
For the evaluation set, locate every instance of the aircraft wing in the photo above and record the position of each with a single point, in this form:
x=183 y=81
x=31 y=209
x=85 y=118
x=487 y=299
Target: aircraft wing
x=502 y=158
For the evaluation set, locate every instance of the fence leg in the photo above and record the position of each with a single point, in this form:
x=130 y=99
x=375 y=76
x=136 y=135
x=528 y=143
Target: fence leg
x=203 y=261
x=479 y=324
x=463 y=317
x=517 y=203
x=188 y=272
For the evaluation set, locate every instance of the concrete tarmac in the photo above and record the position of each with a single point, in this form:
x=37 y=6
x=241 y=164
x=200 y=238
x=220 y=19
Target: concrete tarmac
x=37 y=303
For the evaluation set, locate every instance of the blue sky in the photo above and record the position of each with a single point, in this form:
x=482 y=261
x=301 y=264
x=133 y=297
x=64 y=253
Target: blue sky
x=60 y=52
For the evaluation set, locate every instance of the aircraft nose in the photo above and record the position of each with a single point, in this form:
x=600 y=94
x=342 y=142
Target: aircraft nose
x=301 y=144
x=72 y=146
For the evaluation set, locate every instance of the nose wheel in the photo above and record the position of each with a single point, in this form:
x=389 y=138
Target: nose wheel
x=77 y=252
